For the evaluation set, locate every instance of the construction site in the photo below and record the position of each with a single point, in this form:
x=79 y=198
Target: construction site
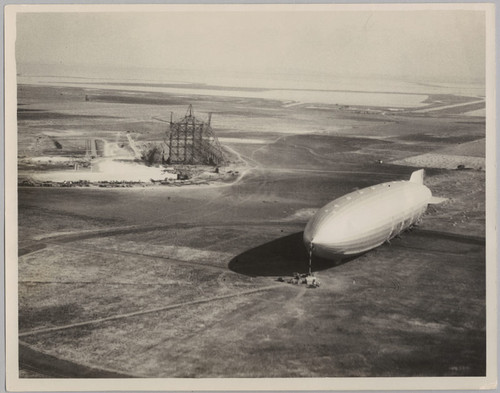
x=187 y=150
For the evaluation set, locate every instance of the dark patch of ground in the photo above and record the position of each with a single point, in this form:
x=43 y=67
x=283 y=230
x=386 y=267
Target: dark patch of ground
x=60 y=314
x=280 y=257
x=42 y=115
x=120 y=99
x=40 y=365
x=459 y=109
x=438 y=140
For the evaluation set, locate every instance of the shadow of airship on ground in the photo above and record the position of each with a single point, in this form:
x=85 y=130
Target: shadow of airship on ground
x=280 y=257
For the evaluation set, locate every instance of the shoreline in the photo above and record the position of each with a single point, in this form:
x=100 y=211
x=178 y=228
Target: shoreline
x=283 y=95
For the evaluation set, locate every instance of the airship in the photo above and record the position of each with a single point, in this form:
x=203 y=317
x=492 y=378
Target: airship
x=366 y=218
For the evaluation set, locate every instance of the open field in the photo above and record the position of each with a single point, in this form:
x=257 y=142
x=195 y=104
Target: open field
x=164 y=281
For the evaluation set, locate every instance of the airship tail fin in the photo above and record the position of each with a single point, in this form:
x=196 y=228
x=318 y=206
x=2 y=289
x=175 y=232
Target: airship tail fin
x=436 y=200
x=417 y=177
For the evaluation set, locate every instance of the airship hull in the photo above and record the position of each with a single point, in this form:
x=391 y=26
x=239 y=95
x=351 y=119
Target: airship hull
x=365 y=219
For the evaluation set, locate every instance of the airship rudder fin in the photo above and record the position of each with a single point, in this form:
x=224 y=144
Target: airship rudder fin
x=417 y=177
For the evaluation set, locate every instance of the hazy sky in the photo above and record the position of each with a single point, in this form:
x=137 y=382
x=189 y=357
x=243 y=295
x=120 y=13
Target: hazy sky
x=422 y=45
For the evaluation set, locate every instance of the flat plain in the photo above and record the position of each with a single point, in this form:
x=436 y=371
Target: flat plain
x=182 y=281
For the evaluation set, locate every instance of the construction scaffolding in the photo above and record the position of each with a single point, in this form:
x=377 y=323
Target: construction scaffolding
x=90 y=148
x=193 y=142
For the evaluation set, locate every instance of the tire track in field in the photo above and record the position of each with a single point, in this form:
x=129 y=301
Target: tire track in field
x=89 y=234
x=149 y=311
x=139 y=254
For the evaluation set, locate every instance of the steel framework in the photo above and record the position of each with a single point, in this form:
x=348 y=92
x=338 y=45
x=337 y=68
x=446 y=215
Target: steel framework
x=193 y=142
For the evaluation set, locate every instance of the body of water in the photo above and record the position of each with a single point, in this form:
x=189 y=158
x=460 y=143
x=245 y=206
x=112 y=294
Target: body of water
x=289 y=87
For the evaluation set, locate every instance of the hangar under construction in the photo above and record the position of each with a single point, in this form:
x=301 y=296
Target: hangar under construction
x=193 y=142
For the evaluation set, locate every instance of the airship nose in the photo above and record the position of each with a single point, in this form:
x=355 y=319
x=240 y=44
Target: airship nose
x=309 y=233
x=328 y=236
x=320 y=235
x=327 y=233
